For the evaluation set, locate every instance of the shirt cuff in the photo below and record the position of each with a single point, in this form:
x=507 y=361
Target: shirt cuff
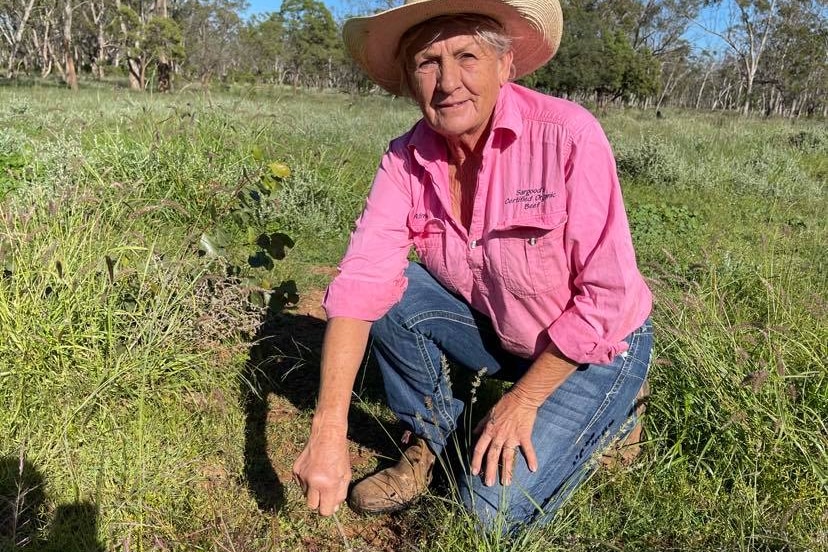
x=579 y=342
x=362 y=300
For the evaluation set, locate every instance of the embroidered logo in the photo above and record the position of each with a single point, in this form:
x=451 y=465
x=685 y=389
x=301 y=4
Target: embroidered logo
x=530 y=197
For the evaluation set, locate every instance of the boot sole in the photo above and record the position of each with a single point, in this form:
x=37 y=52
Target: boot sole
x=625 y=452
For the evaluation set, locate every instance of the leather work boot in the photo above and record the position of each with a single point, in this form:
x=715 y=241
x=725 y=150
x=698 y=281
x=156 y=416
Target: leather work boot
x=396 y=487
x=624 y=451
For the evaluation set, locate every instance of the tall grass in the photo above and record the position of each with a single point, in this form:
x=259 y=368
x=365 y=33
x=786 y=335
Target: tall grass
x=124 y=350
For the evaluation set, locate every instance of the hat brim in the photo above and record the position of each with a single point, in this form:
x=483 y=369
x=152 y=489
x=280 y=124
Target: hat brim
x=535 y=28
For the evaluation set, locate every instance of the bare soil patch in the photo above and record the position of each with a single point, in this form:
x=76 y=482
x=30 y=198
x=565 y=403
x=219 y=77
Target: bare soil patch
x=282 y=379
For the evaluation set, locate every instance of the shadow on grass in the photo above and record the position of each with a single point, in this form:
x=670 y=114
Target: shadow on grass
x=24 y=522
x=285 y=362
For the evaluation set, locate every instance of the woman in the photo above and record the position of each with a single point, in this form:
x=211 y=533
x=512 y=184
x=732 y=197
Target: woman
x=527 y=270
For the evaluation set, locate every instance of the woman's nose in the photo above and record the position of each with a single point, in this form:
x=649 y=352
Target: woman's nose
x=449 y=78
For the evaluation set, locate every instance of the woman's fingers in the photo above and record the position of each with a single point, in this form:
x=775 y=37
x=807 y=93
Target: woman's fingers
x=313 y=499
x=323 y=471
x=501 y=436
x=492 y=463
x=480 y=449
x=508 y=463
x=325 y=500
x=529 y=453
x=329 y=502
x=499 y=457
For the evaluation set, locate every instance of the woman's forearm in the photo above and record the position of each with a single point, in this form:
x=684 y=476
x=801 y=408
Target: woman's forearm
x=342 y=353
x=543 y=377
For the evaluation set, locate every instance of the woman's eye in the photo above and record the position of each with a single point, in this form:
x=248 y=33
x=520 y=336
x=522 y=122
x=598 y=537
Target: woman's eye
x=427 y=65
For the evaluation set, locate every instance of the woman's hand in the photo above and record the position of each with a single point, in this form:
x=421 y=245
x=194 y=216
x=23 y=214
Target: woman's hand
x=506 y=428
x=508 y=425
x=323 y=470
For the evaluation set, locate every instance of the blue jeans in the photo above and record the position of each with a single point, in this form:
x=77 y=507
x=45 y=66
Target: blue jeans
x=591 y=408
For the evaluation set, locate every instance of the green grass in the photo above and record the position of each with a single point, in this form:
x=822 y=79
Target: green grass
x=136 y=416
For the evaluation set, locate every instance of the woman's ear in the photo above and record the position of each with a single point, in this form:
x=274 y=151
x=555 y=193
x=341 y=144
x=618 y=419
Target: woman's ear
x=507 y=68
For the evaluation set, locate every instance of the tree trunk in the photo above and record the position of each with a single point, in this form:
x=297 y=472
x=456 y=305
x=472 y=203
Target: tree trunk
x=142 y=75
x=748 y=92
x=163 y=64
x=100 y=39
x=164 y=75
x=68 y=57
x=704 y=82
x=134 y=67
x=135 y=72
x=44 y=50
x=17 y=38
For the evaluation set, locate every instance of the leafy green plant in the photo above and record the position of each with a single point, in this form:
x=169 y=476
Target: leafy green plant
x=653 y=223
x=809 y=140
x=12 y=167
x=249 y=217
x=16 y=163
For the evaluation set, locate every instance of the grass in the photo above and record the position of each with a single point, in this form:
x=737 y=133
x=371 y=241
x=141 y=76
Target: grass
x=156 y=390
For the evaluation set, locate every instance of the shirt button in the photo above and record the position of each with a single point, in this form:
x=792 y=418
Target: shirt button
x=472 y=244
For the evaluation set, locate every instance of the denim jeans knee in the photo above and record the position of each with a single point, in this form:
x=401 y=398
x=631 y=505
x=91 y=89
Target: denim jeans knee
x=410 y=343
x=576 y=423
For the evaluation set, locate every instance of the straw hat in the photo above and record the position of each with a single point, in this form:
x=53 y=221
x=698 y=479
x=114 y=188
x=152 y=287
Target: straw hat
x=535 y=27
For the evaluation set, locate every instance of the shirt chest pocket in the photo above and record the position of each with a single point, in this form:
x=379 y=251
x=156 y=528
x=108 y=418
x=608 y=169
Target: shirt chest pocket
x=430 y=242
x=528 y=254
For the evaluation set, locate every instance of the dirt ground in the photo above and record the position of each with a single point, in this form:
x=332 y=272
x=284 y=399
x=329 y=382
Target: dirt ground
x=287 y=355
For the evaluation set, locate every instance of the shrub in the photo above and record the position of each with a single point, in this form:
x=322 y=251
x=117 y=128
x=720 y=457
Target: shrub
x=650 y=161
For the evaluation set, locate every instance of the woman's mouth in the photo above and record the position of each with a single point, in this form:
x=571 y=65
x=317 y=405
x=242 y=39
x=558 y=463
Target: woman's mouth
x=447 y=106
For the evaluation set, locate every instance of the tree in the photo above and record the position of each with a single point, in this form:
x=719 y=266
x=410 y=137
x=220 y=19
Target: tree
x=597 y=57
x=211 y=29
x=71 y=74
x=98 y=17
x=263 y=39
x=312 y=45
x=14 y=17
x=146 y=42
x=746 y=32
x=795 y=70
x=659 y=26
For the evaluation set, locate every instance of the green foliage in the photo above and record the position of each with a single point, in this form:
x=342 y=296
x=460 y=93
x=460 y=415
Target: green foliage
x=148 y=41
x=17 y=166
x=809 y=141
x=650 y=160
x=13 y=167
x=263 y=41
x=312 y=44
x=598 y=57
x=163 y=39
x=250 y=217
x=657 y=223
x=212 y=30
x=122 y=350
x=795 y=57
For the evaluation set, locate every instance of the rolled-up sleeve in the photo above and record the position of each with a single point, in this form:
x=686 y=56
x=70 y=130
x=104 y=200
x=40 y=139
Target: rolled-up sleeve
x=610 y=296
x=370 y=279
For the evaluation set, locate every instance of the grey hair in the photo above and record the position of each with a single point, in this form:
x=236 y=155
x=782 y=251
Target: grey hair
x=485 y=29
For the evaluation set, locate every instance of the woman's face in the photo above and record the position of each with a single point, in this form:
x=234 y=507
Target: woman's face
x=456 y=80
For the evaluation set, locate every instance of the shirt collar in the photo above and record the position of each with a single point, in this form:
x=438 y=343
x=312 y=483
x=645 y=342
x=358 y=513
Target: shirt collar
x=429 y=147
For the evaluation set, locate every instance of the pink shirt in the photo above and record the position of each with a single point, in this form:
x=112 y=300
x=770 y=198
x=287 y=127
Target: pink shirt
x=548 y=255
